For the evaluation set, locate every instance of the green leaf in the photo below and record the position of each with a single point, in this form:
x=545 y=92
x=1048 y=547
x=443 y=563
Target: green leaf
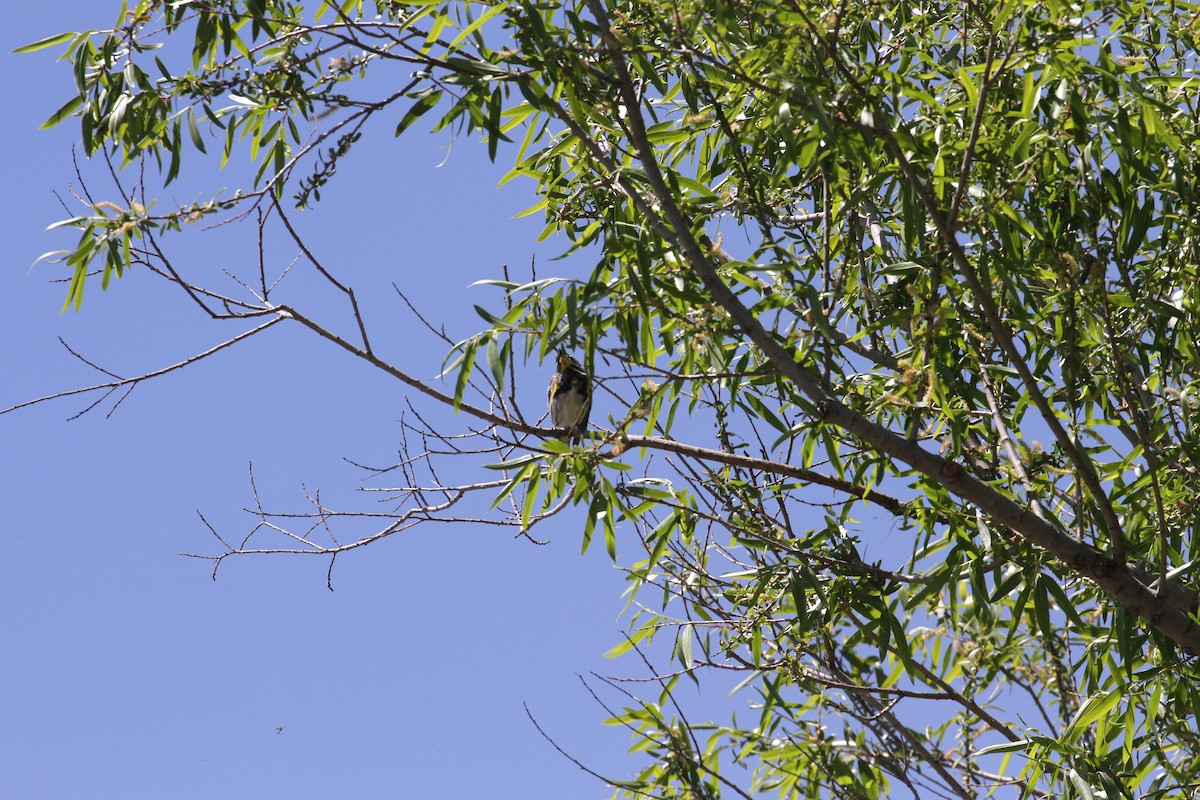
x=1095 y=707
x=497 y=358
x=495 y=106
x=73 y=222
x=640 y=634
x=49 y=41
x=498 y=8
x=1019 y=746
x=425 y=101
x=517 y=479
x=796 y=588
x=1081 y=786
x=661 y=536
x=58 y=116
x=683 y=647
x=516 y=463
x=464 y=371
x=75 y=290
x=52 y=256
x=194 y=132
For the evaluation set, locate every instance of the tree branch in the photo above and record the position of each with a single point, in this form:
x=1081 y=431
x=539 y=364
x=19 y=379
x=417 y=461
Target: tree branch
x=1108 y=573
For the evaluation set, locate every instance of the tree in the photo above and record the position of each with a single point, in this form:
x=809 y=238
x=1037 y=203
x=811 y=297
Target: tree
x=927 y=267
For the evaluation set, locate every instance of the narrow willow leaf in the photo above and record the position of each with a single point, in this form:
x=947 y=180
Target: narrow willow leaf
x=424 y=103
x=42 y=44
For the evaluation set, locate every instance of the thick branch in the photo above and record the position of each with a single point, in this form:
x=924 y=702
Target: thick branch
x=887 y=502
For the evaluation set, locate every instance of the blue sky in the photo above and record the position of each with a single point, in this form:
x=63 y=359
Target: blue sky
x=125 y=670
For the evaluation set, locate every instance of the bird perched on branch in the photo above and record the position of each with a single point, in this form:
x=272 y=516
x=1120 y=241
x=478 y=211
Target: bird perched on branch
x=570 y=397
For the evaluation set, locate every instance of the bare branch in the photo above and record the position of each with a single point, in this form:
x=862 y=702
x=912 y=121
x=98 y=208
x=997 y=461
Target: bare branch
x=109 y=386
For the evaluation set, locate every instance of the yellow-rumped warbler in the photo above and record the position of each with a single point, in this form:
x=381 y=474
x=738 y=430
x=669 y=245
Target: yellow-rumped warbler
x=570 y=397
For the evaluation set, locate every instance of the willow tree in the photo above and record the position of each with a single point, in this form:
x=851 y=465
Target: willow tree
x=919 y=270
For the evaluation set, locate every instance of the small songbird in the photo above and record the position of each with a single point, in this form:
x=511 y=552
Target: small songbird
x=570 y=397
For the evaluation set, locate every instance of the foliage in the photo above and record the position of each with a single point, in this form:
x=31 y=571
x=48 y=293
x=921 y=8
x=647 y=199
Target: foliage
x=961 y=308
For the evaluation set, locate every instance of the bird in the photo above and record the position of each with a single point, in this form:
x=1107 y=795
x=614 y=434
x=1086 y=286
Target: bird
x=570 y=397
